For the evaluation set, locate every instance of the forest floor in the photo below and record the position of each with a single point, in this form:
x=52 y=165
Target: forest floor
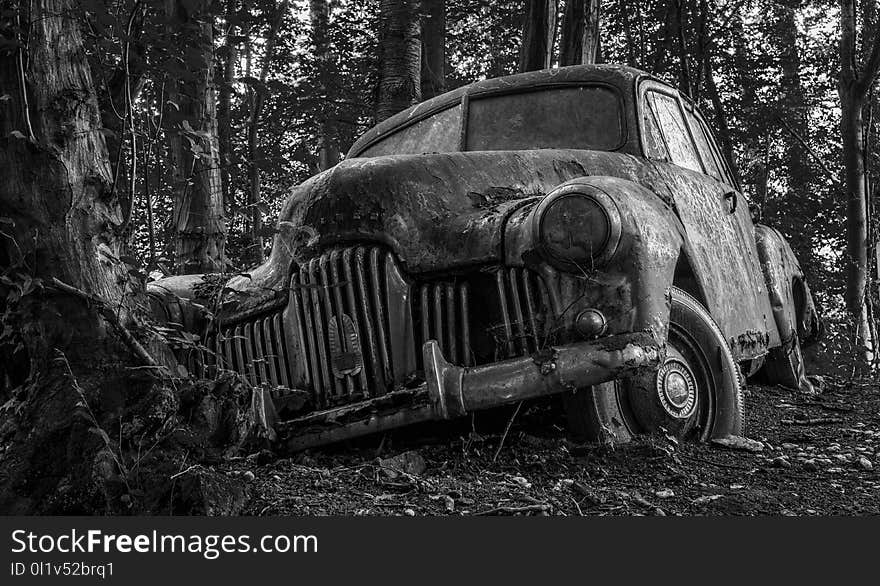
x=816 y=455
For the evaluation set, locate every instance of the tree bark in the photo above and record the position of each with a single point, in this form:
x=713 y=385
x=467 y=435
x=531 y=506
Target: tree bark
x=792 y=109
x=62 y=223
x=853 y=88
x=433 y=48
x=580 y=32
x=224 y=106
x=255 y=253
x=539 y=31
x=319 y=13
x=400 y=57
x=198 y=216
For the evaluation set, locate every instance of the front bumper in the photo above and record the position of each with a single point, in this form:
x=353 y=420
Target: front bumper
x=452 y=391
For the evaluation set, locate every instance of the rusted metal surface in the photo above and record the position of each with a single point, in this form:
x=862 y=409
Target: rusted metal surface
x=415 y=286
x=789 y=294
x=452 y=391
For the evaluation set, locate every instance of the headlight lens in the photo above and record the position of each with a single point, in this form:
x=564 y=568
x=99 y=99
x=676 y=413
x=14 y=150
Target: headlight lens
x=577 y=229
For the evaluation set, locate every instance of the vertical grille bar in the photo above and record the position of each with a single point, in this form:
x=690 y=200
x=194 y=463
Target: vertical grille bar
x=451 y=330
x=426 y=313
x=520 y=324
x=380 y=314
x=505 y=313
x=326 y=285
x=246 y=344
x=464 y=292
x=375 y=361
x=353 y=309
x=260 y=356
x=284 y=373
x=438 y=317
x=323 y=391
x=273 y=350
x=339 y=311
x=302 y=303
x=531 y=310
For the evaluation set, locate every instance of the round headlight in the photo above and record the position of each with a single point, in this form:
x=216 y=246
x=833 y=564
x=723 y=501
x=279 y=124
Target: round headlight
x=575 y=228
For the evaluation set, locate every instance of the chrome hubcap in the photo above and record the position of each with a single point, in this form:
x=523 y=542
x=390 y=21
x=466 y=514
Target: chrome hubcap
x=677 y=389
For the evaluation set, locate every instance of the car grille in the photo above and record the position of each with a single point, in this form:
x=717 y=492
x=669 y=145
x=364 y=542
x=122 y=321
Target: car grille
x=352 y=326
x=355 y=325
x=255 y=348
x=524 y=304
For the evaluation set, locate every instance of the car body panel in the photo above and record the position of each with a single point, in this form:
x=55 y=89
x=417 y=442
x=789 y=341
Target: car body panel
x=390 y=269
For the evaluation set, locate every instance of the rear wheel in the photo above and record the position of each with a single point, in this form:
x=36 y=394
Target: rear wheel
x=695 y=394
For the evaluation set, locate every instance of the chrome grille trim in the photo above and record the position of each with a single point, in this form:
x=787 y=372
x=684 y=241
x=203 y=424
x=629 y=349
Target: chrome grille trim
x=254 y=348
x=525 y=310
x=357 y=292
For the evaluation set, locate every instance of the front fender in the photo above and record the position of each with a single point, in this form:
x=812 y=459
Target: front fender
x=632 y=287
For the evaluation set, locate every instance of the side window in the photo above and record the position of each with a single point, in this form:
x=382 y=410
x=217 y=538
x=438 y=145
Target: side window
x=672 y=125
x=655 y=145
x=720 y=161
x=703 y=145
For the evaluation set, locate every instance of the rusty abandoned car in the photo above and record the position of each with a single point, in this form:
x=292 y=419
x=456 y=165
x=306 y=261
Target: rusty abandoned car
x=573 y=231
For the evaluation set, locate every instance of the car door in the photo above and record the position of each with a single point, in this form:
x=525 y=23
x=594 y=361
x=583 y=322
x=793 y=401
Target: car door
x=715 y=216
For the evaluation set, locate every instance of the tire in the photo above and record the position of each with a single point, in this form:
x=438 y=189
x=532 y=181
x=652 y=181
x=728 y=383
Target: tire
x=701 y=397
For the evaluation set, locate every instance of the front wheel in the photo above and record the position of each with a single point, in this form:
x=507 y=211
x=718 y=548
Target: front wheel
x=695 y=394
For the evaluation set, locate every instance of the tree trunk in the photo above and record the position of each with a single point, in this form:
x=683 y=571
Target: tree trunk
x=856 y=208
x=62 y=221
x=580 y=32
x=255 y=253
x=720 y=116
x=224 y=106
x=853 y=88
x=539 y=30
x=198 y=216
x=319 y=13
x=792 y=109
x=400 y=57
x=433 y=48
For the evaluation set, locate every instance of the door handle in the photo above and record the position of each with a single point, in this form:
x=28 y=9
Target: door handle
x=731 y=195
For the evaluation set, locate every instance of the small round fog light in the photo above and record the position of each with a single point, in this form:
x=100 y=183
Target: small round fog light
x=590 y=323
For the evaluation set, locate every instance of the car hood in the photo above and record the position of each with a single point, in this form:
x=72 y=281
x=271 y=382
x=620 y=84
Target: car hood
x=437 y=212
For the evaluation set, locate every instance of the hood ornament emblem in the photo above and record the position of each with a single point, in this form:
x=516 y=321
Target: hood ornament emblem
x=345 y=347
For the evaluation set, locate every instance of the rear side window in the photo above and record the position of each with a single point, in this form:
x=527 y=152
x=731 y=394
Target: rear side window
x=439 y=133
x=703 y=145
x=580 y=117
x=677 y=140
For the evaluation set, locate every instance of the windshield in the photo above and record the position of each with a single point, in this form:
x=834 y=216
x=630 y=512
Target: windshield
x=570 y=117
x=582 y=117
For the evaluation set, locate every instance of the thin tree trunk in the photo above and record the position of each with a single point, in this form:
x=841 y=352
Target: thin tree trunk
x=684 y=71
x=400 y=57
x=319 y=13
x=539 y=31
x=198 y=216
x=433 y=48
x=720 y=116
x=255 y=252
x=853 y=88
x=224 y=105
x=580 y=32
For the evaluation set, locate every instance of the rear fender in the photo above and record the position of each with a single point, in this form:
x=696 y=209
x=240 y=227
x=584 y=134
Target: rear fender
x=792 y=303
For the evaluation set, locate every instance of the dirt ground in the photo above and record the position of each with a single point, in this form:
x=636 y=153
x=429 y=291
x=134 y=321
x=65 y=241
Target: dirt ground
x=817 y=455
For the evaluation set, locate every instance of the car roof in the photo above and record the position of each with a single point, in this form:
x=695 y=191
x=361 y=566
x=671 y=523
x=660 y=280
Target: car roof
x=619 y=75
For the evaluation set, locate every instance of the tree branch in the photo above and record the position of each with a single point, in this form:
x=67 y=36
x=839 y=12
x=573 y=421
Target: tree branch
x=831 y=174
x=109 y=316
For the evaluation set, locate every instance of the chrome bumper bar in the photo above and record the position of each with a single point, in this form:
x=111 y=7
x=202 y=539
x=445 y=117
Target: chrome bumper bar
x=452 y=391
